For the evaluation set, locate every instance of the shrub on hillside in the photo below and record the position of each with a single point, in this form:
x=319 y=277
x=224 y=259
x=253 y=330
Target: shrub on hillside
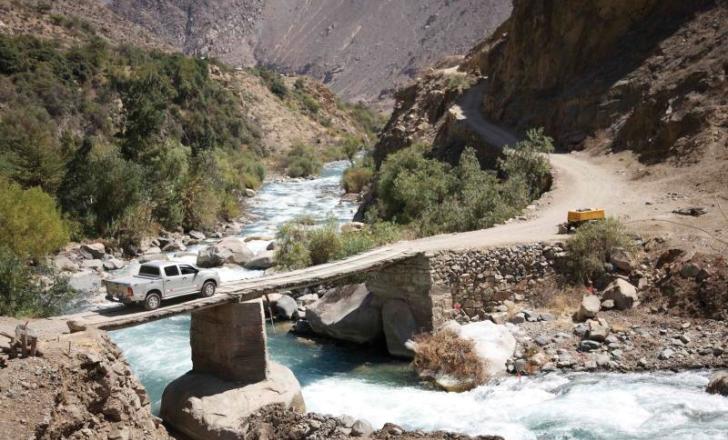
x=31 y=225
x=587 y=251
x=302 y=161
x=301 y=243
x=527 y=160
x=27 y=291
x=356 y=178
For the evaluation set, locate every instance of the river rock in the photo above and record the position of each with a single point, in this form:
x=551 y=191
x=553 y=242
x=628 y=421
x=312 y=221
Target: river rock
x=622 y=293
x=621 y=259
x=197 y=235
x=92 y=264
x=249 y=192
x=348 y=313
x=352 y=227
x=286 y=307
x=95 y=250
x=64 y=264
x=718 y=383
x=494 y=344
x=589 y=308
x=262 y=261
x=598 y=329
x=361 y=428
x=114 y=263
x=399 y=327
x=231 y=250
x=202 y=406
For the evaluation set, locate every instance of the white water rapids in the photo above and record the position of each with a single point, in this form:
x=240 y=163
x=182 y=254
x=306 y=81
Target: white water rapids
x=366 y=384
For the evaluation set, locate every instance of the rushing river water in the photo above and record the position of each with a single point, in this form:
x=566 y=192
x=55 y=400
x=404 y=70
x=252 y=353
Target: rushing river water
x=338 y=379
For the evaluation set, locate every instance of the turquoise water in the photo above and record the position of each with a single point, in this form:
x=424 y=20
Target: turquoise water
x=339 y=379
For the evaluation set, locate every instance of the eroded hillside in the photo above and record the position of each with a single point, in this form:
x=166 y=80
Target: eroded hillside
x=360 y=49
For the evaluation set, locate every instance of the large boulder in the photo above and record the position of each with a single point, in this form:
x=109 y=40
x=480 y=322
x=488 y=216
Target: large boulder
x=348 y=313
x=231 y=250
x=286 y=307
x=262 y=261
x=399 y=327
x=494 y=344
x=718 y=383
x=621 y=259
x=202 y=406
x=590 y=305
x=93 y=251
x=64 y=264
x=622 y=293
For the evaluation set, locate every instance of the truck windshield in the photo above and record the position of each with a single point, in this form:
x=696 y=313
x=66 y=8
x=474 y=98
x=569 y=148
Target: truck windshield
x=149 y=271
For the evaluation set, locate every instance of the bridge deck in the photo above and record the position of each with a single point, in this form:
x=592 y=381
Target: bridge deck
x=244 y=290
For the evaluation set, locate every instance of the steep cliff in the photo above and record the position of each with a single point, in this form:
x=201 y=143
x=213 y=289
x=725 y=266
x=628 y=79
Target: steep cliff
x=361 y=49
x=642 y=75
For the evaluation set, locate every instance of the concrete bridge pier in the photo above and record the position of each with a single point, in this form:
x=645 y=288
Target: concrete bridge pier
x=231 y=375
x=229 y=342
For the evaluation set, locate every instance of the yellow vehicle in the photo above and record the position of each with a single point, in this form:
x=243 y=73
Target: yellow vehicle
x=578 y=217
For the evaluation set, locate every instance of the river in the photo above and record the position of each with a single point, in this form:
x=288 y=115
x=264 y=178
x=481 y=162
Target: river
x=340 y=379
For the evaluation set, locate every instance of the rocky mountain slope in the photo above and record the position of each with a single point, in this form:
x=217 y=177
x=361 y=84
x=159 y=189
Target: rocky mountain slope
x=310 y=114
x=644 y=76
x=360 y=49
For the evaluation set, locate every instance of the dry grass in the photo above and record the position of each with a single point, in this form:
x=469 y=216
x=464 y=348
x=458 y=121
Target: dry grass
x=445 y=353
x=559 y=300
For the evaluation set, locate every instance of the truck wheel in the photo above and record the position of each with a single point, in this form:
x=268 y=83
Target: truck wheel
x=208 y=289
x=152 y=301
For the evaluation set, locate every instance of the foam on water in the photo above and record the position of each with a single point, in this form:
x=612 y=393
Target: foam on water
x=366 y=384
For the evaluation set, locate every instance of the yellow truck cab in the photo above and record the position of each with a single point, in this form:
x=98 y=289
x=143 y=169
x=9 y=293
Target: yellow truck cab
x=577 y=217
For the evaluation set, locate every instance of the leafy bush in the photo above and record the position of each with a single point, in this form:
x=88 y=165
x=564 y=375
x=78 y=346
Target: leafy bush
x=302 y=161
x=30 y=223
x=30 y=291
x=355 y=179
x=527 y=160
x=434 y=197
x=323 y=243
x=273 y=80
x=302 y=244
x=589 y=248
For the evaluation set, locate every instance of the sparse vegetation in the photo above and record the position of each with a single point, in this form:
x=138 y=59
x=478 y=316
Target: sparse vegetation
x=32 y=291
x=303 y=244
x=302 y=161
x=444 y=353
x=589 y=248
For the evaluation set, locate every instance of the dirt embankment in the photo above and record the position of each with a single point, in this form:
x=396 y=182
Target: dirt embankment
x=81 y=387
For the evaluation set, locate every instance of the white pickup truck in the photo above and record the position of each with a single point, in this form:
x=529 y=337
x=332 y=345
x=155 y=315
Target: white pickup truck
x=158 y=280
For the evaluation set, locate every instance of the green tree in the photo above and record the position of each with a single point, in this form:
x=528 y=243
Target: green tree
x=527 y=159
x=351 y=145
x=32 y=156
x=31 y=225
x=302 y=161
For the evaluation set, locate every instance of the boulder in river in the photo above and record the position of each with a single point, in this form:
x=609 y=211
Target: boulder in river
x=286 y=307
x=399 y=327
x=348 y=313
x=231 y=250
x=262 y=261
x=202 y=406
x=718 y=383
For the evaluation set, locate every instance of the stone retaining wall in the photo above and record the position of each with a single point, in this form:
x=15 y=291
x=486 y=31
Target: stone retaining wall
x=479 y=280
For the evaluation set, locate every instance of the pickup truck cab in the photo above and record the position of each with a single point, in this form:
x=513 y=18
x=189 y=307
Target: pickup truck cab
x=160 y=280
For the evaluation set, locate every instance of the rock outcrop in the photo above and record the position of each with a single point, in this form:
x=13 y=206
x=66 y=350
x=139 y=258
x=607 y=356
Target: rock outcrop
x=361 y=49
x=349 y=313
x=203 y=407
